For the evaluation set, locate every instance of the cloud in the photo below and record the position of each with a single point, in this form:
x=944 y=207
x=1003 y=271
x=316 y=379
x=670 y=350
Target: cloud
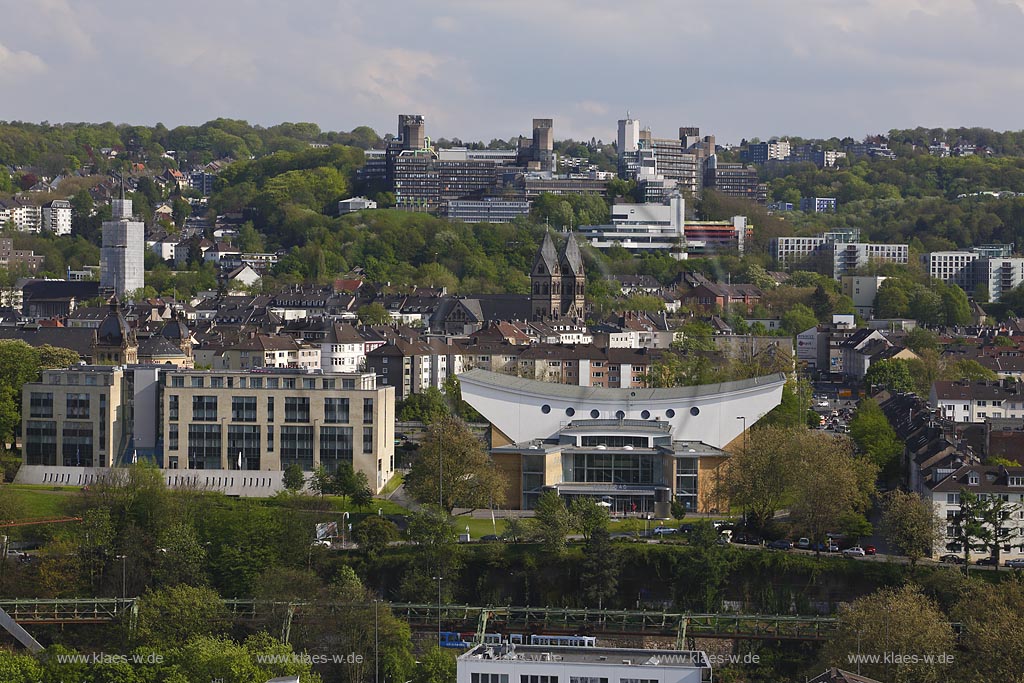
x=18 y=65
x=479 y=69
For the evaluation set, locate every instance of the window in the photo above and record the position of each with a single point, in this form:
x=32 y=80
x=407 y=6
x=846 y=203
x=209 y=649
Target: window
x=492 y=678
x=538 y=679
x=78 y=444
x=587 y=679
x=41 y=404
x=336 y=410
x=297 y=447
x=172 y=407
x=197 y=381
x=40 y=442
x=244 y=440
x=270 y=409
x=272 y=383
x=204 y=447
x=270 y=438
x=177 y=382
x=204 y=408
x=367 y=439
x=335 y=447
x=77 y=406
x=255 y=382
x=243 y=408
x=288 y=382
x=216 y=382
x=616 y=468
x=308 y=383
x=172 y=437
x=296 y=409
x=329 y=384
x=367 y=411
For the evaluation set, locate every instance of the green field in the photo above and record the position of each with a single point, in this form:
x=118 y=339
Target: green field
x=39 y=502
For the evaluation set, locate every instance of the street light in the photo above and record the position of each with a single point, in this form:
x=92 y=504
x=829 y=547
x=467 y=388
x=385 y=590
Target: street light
x=344 y=525
x=438 y=579
x=124 y=575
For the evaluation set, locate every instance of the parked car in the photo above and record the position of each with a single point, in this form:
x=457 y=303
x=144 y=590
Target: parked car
x=833 y=547
x=855 y=551
x=781 y=544
x=1016 y=563
x=987 y=562
x=322 y=543
x=870 y=550
x=951 y=558
x=665 y=530
x=804 y=543
x=490 y=538
x=746 y=538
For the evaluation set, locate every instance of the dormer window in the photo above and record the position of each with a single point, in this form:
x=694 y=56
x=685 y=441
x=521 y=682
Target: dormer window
x=973 y=479
x=1015 y=481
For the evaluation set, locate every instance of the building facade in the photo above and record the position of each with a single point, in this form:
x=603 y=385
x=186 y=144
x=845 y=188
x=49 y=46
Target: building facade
x=553 y=664
x=122 y=256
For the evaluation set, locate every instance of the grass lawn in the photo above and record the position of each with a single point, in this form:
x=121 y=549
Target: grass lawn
x=39 y=502
x=478 y=527
x=389 y=487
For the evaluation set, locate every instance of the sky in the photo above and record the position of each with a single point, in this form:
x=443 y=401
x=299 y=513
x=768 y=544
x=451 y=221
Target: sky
x=480 y=69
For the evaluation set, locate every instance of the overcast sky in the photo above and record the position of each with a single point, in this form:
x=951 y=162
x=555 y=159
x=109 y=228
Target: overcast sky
x=479 y=69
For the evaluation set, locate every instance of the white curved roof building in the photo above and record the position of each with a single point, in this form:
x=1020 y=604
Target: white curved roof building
x=525 y=409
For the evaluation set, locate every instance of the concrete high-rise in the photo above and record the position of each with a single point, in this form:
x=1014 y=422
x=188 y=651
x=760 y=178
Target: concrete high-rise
x=122 y=256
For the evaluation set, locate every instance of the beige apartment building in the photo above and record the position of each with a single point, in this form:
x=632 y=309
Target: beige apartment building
x=260 y=421
x=74 y=417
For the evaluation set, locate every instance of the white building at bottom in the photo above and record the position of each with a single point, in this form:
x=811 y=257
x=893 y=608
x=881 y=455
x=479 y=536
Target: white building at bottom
x=550 y=664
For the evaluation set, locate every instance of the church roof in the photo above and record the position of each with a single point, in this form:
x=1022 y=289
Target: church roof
x=572 y=259
x=547 y=255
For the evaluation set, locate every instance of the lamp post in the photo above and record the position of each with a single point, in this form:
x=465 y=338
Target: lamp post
x=438 y=579
x=124 y=575
x=344 y=525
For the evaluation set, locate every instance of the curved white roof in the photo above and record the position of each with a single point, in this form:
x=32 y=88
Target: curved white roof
x=525 y=409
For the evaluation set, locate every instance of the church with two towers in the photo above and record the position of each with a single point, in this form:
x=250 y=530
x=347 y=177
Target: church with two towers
x=558 y=281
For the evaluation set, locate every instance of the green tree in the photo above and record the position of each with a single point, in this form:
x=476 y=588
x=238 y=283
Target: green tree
x=586 y=517
x=438 y=558
x=454 y=468
x=874 y=436
x=910 y=524
x=551 y=521
x=893 y=620
x=374 y=534
x=955 y=306
x=437 y=666
x=599 y=570
x=217 y=658
x=992 y=633
x=374 y=314
x=760 y=473
x=798 y=318
x=920 y=339
x=892 y=374
x=294 y=479
x=174 y=614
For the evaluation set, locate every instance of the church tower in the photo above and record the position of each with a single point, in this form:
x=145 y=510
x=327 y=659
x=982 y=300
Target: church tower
x=546 y=282
x=558 y=281
x=574 y=280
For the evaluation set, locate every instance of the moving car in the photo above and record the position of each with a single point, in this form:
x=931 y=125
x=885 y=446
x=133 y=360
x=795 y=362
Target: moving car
x=855 y=551
x=781 y=544
x=950 y=558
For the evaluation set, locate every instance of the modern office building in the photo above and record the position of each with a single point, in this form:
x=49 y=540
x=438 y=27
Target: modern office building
x=555 y=664
x=241 y=429
x=735 y=180
x=818 y=204
x=663 y=165
x=834 y=253
x=862 y=290
x=487 y=210
x=641 y=228
x=988 y=266
x=75 y=418
x=122 y=256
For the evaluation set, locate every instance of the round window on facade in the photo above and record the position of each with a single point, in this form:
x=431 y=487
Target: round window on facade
x=570 y=411
x=695 y=411
x=594 y=414
x=619 y=414
x=646 y=415
x=670 y=413
x=545 y=409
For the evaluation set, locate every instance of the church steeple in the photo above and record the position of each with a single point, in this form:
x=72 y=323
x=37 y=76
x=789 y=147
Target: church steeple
x=557 y=281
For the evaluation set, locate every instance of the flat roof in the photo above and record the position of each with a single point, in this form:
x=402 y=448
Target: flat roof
x=611 y=656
